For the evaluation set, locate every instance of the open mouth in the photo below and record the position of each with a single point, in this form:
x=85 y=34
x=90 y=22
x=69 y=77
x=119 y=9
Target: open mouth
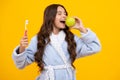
x=62 y=22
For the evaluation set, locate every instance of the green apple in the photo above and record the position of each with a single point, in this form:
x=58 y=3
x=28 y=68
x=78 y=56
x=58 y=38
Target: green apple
x=70 y=21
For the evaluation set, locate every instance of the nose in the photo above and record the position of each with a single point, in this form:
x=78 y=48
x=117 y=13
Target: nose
x=64 y=16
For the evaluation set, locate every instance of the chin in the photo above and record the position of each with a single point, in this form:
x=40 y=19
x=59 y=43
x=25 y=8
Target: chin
x=62 y=27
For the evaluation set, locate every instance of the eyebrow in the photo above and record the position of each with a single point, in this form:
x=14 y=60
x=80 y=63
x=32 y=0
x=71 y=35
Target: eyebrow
x=61 y=12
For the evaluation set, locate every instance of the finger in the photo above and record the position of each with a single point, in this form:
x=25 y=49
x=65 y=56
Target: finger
x=73 y=27
x=23 y=40
x=77 y=19
x=25 y=37
x=25 y=33
x=26 y=40
x=24 y=43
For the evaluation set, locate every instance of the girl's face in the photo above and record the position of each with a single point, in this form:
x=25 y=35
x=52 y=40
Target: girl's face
x=59 y=22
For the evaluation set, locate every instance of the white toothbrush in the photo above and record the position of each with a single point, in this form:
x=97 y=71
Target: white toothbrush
x=26 y=23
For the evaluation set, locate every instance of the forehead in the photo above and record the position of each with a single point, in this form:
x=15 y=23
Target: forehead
x=60 y=9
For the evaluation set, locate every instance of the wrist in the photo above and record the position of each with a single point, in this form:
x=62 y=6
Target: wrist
x=21 y=50
x=83 y=30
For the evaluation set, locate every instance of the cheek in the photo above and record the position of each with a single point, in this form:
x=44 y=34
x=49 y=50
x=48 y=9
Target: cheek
x=56 y=21
x=57 y=18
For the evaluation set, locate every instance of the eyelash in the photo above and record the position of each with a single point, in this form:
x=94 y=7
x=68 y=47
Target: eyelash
x=61 y=14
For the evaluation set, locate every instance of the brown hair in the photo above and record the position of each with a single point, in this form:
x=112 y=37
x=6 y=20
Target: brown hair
x=46 y=30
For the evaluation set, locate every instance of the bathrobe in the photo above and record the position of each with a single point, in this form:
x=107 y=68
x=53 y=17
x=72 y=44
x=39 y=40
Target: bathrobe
x=56 y=58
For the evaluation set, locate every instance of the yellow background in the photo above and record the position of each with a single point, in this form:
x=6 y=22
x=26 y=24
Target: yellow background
x=102 y=16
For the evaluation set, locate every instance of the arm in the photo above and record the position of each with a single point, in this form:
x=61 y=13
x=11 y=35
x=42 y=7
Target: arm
x=88 y=44
x=27 y=56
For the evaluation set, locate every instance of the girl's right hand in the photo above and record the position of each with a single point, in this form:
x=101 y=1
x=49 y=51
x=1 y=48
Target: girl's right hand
x=23 y=43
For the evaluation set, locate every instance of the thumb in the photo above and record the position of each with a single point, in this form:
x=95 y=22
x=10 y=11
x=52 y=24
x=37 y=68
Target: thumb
x=25 y=33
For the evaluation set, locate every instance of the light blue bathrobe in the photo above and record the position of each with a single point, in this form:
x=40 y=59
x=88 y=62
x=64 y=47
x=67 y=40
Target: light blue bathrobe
x=87 y=44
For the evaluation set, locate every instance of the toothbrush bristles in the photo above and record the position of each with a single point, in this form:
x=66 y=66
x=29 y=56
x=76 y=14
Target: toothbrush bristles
x=26 y=22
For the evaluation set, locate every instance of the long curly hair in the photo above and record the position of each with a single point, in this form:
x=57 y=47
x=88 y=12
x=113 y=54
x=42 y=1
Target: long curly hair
x=44 y=34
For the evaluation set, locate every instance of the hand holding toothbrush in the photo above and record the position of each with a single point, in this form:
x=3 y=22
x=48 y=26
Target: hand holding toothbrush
x=24 y=40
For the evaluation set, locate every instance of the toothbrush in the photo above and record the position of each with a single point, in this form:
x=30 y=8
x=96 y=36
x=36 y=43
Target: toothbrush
x=26 y=23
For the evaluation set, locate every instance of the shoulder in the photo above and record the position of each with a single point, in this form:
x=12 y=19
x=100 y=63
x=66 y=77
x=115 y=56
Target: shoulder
x=34 y=38
x=76 y=38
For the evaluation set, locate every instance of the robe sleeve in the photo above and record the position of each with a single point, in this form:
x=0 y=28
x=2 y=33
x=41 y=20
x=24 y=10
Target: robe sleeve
x=27 y=57
x=87 y=44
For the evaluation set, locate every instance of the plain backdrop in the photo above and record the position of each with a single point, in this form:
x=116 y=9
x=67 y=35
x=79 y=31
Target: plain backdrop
x=102 y=16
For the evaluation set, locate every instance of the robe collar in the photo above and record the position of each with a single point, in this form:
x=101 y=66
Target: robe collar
x=60 y=37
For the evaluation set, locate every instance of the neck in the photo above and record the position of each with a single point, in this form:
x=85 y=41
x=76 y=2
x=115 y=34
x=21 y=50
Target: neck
x=56 y=30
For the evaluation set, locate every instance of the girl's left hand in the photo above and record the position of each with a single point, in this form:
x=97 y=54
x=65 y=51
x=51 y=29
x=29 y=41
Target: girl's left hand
x=78 y=25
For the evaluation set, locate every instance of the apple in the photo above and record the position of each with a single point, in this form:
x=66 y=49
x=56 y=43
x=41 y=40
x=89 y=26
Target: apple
x=70 y=21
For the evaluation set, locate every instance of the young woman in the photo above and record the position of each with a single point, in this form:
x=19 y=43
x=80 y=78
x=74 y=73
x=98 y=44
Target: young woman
x=55 y=48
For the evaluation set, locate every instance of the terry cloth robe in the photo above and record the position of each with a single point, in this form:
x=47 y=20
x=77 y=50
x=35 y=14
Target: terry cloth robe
x=56 y=56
